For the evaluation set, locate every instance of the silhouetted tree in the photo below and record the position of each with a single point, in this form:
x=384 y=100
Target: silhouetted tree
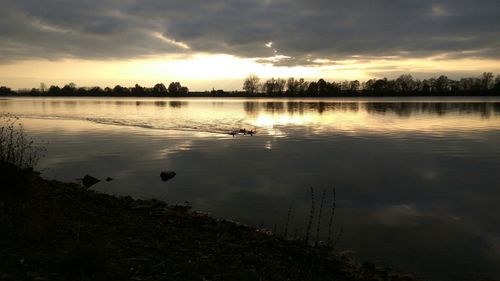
x=268 y=86
x=454 y=86
x=442 y=84
x=34 y=91
x=218 y=92
x=4 y=91
x=344 y=85
x=405 y=83
x=466 y=84
x=119 y=90
x=274 y=86
x=497 y=83
x=175 y=88
x=251 y=84
x=427 y=85
x=334 y=88
x=292 y=86
x=312 y=89
x=303 y=85
x=159 y=89
x=350 y=86
x=69 y=89
x=354 y=86
x=184 y=90
x=138 y=90
x=378 y=86
x=43 y=87
x=82 y=91
x=487 y=81
x=322 y=87
x=54 y=90
x=96 y=91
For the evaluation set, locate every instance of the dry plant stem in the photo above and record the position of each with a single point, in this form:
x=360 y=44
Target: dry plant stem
x=319 y=216
x=287 y=221
x=332 y=214
x=311 y=216
x=339 y=235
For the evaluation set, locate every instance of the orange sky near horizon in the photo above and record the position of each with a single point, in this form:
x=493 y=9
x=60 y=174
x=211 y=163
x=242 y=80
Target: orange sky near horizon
x=202 y=72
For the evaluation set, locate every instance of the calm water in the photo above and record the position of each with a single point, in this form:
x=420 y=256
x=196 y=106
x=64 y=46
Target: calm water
x=417 y=180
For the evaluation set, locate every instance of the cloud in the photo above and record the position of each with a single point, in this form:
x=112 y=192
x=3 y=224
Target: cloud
x=301 y=31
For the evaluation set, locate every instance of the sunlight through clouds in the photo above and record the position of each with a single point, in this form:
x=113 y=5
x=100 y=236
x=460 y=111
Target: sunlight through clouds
x=204 y=71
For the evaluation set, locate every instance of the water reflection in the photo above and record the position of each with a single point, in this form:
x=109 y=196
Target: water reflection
x=485 y=110
x=403 y=109
x=415 y=179
x=177 y=104
x=323 y=116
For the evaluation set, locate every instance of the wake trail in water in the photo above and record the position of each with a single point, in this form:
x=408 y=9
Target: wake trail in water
x=219 y=126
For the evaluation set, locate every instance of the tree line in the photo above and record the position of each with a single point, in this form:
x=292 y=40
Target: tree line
x=404 y=84
x=486 y=84
x=173 y=89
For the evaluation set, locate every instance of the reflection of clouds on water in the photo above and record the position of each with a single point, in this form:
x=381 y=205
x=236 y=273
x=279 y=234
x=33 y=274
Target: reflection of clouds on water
x=355 y=118
x=413 y=181
x=397 y=214
x=269 y=145
x=430 y=175
x=176 y=148
x=494 y=240
x=273 y=117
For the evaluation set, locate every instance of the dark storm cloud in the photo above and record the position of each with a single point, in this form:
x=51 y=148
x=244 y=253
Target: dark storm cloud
x=301 y=30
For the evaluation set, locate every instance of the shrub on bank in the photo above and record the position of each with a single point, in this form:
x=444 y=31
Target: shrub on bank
x=15 y=146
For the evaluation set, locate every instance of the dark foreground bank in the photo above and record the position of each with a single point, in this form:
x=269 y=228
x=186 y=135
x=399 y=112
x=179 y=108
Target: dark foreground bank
x=51 y=230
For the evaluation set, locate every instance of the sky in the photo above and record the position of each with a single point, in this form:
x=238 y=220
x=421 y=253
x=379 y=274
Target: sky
x=216 y=44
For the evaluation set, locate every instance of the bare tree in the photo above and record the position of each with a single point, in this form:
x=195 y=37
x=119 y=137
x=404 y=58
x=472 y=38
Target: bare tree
x=302 y=85
x=251 y=84
x=345 y=86
x=292 y=85
x=354 y=86
x=405 y=83
x=273 y=86
x=487 y=81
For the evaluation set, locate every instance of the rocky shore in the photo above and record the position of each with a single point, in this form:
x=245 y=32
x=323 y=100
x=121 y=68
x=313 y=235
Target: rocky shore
x=51 y=230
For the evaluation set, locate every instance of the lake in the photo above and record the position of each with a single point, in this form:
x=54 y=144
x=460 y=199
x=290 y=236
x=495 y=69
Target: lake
x=417 y=179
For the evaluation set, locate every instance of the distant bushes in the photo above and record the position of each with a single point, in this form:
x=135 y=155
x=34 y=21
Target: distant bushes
x=158 y=90
x=4 y=91
x=15 y=146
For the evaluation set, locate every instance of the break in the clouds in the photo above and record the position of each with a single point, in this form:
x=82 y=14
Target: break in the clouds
x=281 y=32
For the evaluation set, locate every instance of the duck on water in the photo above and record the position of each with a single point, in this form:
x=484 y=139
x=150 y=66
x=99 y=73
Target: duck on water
x=243 y=131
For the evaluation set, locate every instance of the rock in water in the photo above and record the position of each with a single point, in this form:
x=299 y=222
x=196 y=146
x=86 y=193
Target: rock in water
x=165 y=176
x=108 y=179
x=89 y=181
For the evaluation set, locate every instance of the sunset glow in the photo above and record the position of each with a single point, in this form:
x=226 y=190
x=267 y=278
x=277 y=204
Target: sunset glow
x=205 y=71
x=250 y=140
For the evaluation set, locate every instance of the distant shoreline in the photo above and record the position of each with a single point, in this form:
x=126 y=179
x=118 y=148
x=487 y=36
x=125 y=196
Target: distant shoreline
x=246 y=95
